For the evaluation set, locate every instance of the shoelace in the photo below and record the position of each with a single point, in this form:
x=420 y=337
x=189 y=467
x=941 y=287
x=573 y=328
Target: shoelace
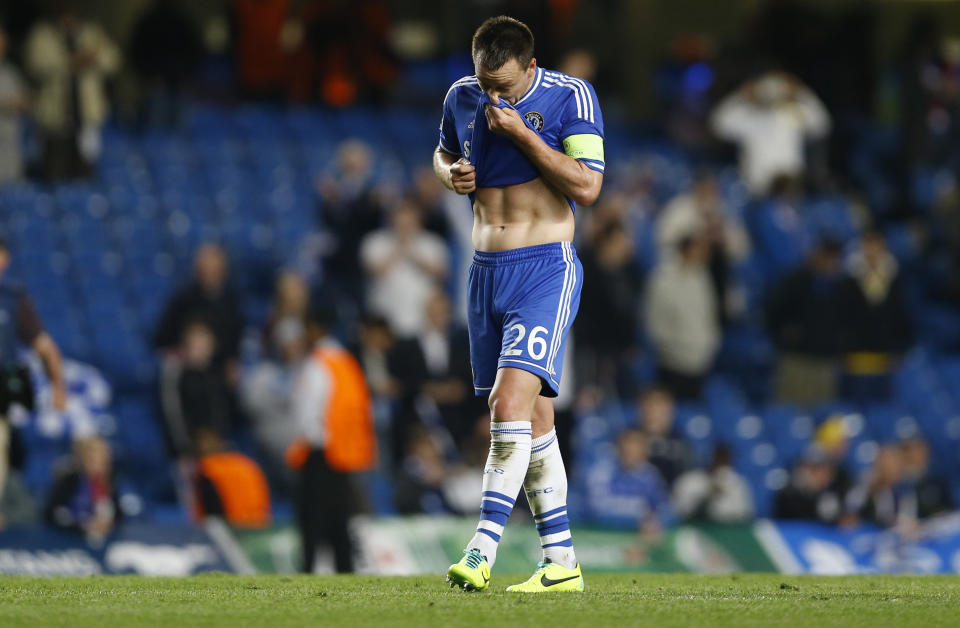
x=474 y=558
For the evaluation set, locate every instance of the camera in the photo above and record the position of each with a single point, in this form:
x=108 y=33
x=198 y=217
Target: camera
x=16 y=386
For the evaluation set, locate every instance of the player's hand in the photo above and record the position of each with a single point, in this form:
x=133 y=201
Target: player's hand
x=504 y=121
x=463 y=176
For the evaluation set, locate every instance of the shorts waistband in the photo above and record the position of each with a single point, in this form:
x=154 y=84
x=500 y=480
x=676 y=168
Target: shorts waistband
x=558 y=250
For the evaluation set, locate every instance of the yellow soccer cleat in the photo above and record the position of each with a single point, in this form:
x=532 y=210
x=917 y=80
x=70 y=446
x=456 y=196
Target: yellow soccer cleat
x=551 y=577
x=472 y=573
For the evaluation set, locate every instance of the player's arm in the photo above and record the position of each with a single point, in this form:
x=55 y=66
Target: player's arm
x=454 y=171
x=572 y=177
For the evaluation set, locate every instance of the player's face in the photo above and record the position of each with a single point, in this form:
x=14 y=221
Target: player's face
x=509 y=82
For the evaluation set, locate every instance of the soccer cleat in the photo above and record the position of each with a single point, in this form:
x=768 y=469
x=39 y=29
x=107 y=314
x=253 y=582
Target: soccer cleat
x=551 y=577
x=472 y=573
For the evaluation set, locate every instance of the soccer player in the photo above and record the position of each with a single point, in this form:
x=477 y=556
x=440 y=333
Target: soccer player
x=525 y=144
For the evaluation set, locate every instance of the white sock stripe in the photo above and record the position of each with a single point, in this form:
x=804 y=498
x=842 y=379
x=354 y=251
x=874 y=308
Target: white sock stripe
x=486 y=524
x=540 y=440
x=497 y=500
x=510 y=425
x=553 y=538
x=567 y=287
x=559 y=514
x=543 y=446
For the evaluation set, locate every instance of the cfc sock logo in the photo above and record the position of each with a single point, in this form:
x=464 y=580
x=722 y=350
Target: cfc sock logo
x=540 y=491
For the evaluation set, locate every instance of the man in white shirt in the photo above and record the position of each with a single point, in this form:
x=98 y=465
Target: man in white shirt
x=771 y=118
x=681 y=316
x=404 y=264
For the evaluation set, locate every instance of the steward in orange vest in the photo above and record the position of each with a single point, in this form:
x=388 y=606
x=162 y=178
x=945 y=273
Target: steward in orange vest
x=334 y=413
x=230 y=484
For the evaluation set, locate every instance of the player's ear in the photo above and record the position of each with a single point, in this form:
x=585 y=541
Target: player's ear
x=532 y=65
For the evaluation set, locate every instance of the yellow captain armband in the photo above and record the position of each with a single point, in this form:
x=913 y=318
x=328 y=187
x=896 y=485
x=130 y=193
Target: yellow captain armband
x=584 y=146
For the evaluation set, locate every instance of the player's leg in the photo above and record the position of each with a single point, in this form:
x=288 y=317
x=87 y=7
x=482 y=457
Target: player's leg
x=546 y=489
x=511 y=410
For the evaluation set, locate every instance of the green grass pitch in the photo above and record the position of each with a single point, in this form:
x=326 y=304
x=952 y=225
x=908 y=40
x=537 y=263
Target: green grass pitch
x=609 y=601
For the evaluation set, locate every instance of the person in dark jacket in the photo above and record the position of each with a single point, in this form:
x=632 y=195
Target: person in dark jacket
x=165 y=50
x=810 y=494
x=669 y=453
x=606 y=328
x=803 y=317
x=208 y=296
x=932 y=491
x=875 y=324
x=433 y=371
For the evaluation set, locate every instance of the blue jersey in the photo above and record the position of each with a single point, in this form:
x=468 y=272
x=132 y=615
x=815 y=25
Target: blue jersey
x=563 y=110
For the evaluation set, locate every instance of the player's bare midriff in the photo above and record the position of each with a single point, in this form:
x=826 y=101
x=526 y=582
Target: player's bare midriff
x=514 y=216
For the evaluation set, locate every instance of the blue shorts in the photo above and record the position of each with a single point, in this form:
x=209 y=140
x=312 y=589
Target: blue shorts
x=520 y=306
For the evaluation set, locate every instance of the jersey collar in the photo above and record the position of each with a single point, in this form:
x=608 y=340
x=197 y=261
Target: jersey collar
x=533 y=87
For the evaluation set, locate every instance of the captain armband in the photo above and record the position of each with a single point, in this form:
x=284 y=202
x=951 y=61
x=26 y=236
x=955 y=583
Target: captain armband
x=584 y=146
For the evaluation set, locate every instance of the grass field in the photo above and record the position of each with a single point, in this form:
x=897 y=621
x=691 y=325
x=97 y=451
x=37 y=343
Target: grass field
x=609 y=601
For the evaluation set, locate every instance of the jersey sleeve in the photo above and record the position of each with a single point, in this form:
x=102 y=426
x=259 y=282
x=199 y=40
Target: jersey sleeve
x=448 y=129
x=582 y=129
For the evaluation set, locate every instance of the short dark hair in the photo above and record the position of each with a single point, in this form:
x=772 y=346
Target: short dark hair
x=500 y=39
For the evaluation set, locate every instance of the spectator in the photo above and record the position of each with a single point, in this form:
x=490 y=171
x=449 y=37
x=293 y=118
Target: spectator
x=351 y=45
x=70 y=60
x=810 y=494
x=833 y=441
x=230 y=485
x=17 y=507
x=803 y=317
x=334 y=413
x=716 y=494
x=669 y=453
x=13 y=104
x=433 y=369
x=268 y=39
x=21 y=326
x=165 y=51
x=290 y=300
x=209 y=297
x=84 y=497
x=376 y=345
x=607 y=325
x=770 y=118
x=681 y=314
x=194 y=392
x=406 y=265
x=932 y=491
x=875 y=323
x=883 y=496
x=268 y=398
x=630 y=493
x=703 y=212
x=421 y=484
x=350 y=207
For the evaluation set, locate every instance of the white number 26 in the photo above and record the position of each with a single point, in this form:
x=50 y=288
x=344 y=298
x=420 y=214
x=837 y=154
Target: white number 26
x=536 y=343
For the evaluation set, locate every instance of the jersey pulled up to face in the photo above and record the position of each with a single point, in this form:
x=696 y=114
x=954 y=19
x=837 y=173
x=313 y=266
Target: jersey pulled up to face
x=563 y=110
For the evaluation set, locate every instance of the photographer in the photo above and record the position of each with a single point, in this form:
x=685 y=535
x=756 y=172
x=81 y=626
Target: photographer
x=20 y=324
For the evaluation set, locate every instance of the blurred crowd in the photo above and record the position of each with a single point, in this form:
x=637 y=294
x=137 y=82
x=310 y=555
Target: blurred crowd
x=377 y=291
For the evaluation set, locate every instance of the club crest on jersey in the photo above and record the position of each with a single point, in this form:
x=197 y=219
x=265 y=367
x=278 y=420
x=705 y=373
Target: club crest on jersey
x=535 y=120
